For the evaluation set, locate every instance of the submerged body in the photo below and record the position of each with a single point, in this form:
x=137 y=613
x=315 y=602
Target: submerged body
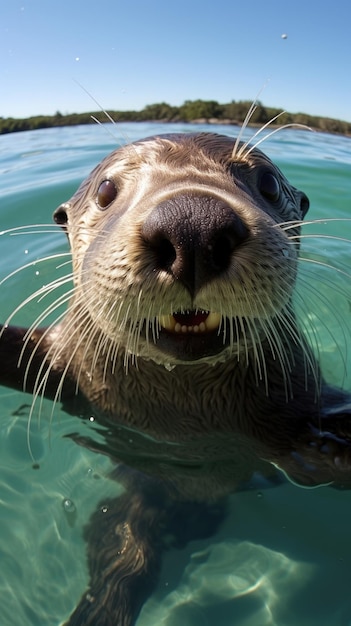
x=181 y=340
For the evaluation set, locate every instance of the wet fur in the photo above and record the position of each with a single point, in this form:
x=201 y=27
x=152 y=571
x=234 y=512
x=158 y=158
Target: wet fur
x=191 y=430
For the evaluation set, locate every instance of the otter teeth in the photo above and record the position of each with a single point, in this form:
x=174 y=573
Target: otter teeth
x=190 y=322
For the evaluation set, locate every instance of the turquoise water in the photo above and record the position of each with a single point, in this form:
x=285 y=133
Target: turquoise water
x=283 y=555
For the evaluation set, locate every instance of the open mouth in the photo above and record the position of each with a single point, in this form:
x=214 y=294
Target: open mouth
x=192 y=335
x=193 y=322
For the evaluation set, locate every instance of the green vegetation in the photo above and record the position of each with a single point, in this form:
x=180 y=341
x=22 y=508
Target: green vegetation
x=191 y=111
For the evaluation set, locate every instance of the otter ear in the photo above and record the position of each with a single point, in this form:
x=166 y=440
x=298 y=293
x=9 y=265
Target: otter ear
x=60 y=215
x=304 y=203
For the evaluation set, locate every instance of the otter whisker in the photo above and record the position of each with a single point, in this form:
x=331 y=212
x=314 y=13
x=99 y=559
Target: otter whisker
x=245 y=145
x=135 y=335
x=135 y=330
x=114 y=348
x=18 y=308
x=81 y=325
x=99 y=105
x=283 y=359
x=101 y=344
x=310 y=327
x=308 y=267
x=280 y=328
x=74 y=330
x=45 y=378
x=324 y=300
x=110 y=118
x=242 y=152
x=286 y=317
x=243 y=334
x=323 y=264
x=38 y=392
x=98 y=340
x=62 y=299
x=244 y=125
x=138 y=326
x=310 y=331
x=295 y=334
x=93 y=337
x=107 y=130
x=222 y=329
x=322 y=221
x=149 y=324
x=273 y=132
x=260 y=362
x=253 y=107
x=48 y=311
x=278 y=351
x=114 y=315
x=33 y=264
x=256 y=344
x=237 y=338
x=28 y=229
x=114 y=352
x=306 y=236
x=155 y=329
x=110 y=358
x=123 y=324
x=44 y=335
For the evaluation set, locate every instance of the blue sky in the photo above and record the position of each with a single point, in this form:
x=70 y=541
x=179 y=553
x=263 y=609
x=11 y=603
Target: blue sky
x=131 y=53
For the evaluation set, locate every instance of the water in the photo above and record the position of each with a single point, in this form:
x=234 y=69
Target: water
x=283 y=555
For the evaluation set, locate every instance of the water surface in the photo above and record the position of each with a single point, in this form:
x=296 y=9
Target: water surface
x=283 y=556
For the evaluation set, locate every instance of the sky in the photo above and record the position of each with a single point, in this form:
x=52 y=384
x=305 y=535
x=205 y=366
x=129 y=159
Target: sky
x=130 y=53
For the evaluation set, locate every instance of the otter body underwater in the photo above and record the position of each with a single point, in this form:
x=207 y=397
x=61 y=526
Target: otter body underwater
x=181 y=340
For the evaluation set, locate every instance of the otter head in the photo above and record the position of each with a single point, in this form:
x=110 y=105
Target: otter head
x=183 y=251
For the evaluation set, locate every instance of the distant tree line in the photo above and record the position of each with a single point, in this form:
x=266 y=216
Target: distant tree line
x=190 y=111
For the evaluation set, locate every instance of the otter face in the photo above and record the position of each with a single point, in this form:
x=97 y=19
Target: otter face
x=181 y=251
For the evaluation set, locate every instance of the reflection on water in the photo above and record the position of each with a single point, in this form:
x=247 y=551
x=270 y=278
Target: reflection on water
x=217 y=577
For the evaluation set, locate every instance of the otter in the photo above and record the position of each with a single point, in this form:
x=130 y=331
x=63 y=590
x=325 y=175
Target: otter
x=181 y=342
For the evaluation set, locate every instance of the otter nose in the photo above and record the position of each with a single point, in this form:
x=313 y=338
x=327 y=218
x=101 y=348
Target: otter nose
x=193 y=238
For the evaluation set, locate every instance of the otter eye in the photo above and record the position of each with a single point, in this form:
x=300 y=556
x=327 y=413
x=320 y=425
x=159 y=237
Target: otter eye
x=269 y=186
x=106 y=194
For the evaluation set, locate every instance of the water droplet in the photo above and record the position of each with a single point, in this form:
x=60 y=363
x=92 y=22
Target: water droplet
x=68 y=505
x=70 y=511
x=260 y=494
x=104 y=509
